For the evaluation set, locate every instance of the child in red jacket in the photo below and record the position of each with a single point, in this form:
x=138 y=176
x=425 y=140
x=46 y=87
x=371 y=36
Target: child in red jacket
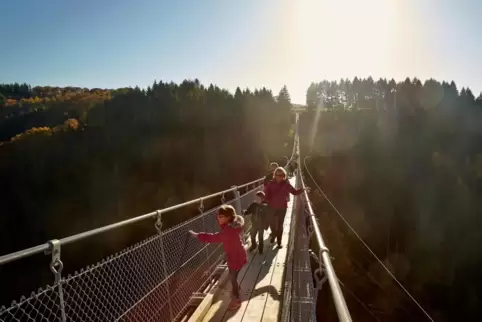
x=231 y=227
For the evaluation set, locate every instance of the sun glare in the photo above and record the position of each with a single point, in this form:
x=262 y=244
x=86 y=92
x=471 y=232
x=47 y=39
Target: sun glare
x=343 y=36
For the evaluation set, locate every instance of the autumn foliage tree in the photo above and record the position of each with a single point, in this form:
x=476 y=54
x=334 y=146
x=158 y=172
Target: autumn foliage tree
x=73 y=159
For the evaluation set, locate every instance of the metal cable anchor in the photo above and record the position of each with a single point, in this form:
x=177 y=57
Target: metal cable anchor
x=56 y=264
x=56 y=267
x=158 y=223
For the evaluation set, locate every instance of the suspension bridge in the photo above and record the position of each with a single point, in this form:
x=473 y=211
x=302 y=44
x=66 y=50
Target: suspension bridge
x=172 y=277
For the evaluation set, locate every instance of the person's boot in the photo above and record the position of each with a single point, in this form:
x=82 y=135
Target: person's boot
x=279 y=243
x=272 y=239
x=260 y=249
x=235 y=304
x=253 y=247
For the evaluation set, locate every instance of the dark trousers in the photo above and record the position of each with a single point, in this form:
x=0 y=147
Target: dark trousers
x=257 y=229
x=277 y=219
x=233 y=276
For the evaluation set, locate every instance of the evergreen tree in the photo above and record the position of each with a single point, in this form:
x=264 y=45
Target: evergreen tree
x=418 y=187
x=284 y=97
x=103 y=155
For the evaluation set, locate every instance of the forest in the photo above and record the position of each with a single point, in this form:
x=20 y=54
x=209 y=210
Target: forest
x=402 y=162
x=74 y=159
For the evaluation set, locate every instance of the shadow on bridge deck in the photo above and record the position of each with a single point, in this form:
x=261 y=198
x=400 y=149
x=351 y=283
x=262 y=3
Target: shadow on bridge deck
x=260 y=280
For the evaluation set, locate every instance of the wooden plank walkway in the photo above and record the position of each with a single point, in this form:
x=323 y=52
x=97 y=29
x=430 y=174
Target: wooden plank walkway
x=260 y=280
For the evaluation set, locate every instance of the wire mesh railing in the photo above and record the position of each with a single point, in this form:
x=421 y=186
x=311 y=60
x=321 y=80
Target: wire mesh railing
x=303 y=301
x=302 y=280
x=299 y=295
x=324 y=268
x=152 y=280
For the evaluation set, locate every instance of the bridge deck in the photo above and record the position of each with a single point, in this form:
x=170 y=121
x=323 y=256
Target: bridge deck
x=260 y=282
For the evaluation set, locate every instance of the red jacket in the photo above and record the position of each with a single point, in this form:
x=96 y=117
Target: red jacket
x=276 y=194
x=232 y=243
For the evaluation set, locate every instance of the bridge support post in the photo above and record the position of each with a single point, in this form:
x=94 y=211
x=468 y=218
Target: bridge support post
x=158 y=226
x=56 y=267
x=239 y=210
x=237 y=201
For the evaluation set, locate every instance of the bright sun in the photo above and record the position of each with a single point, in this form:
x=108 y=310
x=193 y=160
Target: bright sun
x=340 y=36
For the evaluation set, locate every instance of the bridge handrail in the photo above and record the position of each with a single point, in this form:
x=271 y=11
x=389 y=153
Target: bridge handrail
x=324 y=258
x=88 y=280
x=4 y=259
x=337 y=294
x=70 y=239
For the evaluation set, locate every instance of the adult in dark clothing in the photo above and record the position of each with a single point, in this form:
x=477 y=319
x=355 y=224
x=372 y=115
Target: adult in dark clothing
x=293 y=166
x=277 y=192
x=270 y=175
x=259 y=220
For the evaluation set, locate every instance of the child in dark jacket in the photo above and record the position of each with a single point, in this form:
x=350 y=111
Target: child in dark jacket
x=231 y=227
x=259 y=212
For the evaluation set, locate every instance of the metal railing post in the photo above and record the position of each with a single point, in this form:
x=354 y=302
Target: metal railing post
x=75 y=238
x=327 y=267
x=239 y=211
x=237 y=200
x=158 y=226
x=205 y=228
x=56 y=267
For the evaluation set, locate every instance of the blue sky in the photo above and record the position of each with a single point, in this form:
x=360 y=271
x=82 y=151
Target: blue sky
x=115 y=43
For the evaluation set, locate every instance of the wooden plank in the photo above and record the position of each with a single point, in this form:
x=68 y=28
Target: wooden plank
x=215 y=293
x=218 y=309
x=273 y=302
x=257 y=301
x=254 y=311
x=261 y=282
x=204 y=307
x=272 y=307
x=271 y=311
x=248 y=284
x=264 y=278
x=265 y=301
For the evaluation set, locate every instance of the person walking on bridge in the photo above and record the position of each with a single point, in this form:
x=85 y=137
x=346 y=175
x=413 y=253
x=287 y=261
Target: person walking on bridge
x=231 y=227
x=259 y=212
x=293 y=167
x=269 y=176
x=277 y=192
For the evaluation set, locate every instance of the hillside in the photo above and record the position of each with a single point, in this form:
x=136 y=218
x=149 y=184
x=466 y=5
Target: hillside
x=401 y=161
x=74 y=159
x=405 y=171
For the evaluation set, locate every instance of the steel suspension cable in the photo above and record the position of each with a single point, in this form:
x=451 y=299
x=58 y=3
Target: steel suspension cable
x=358 y=300
x=365 y=244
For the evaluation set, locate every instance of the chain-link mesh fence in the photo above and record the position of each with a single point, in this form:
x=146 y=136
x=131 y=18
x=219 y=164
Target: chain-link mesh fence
x=299 y=299
x=152 y=280
x=303 y=300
